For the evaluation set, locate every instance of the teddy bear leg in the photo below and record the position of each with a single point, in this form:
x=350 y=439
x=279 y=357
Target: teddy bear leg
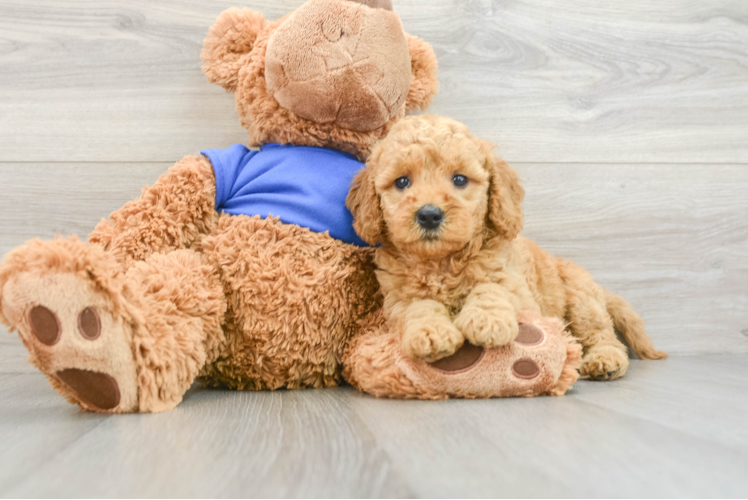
x=110 y=341
x=543 y=359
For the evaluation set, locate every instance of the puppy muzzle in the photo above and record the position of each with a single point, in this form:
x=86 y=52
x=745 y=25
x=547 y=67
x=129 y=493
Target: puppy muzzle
x=429 y=217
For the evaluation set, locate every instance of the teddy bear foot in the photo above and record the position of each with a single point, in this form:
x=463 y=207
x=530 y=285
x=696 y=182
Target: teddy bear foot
x=543 y=360
x=69 y=325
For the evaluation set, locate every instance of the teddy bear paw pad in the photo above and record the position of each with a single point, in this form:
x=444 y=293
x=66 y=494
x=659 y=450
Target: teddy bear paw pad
x=45 y=325
x=462 y=360
x=529 y=335
x=525 y=368
x=95 y=389
x=72 y=336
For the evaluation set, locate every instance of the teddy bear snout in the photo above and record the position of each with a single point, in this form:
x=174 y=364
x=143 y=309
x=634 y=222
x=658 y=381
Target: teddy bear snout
x=351 y=67
x=375 y=4
x=333 y=31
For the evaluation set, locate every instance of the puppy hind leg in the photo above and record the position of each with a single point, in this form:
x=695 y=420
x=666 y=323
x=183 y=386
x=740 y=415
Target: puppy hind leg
x=604 y=356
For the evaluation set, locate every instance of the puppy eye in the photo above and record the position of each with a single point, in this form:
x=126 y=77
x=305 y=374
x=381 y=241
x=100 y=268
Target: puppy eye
x=402 y=183
x=460 y=181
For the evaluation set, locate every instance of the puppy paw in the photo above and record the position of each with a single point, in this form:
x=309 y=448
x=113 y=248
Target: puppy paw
x=604 y=363
x=485 y=327
x=432 y=340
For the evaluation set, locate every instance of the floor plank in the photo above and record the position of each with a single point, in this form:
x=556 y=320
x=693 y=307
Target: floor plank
x=696 y=395
x=35 y=425
x=217 y=444
x=617 y=439
x=543 y=448
x=586 y=81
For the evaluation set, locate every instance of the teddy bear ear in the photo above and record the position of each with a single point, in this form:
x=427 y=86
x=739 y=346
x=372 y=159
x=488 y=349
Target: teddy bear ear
x=424 y=85
x=230 y=38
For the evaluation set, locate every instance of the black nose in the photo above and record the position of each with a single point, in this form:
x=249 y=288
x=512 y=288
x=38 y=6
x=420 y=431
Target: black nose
x=429 y=217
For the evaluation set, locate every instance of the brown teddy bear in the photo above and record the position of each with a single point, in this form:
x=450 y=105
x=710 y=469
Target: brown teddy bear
x=239 y=266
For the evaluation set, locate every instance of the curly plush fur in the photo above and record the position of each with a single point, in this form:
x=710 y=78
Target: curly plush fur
x=468 y=278
x=178 y=291
x=234 y=57
x=375 y=363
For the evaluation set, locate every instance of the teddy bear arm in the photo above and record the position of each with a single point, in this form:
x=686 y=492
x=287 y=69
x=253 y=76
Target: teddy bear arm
x=175 y=213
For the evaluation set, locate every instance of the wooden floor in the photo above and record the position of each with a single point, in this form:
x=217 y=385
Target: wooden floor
x=675 y=428
x=627 y=121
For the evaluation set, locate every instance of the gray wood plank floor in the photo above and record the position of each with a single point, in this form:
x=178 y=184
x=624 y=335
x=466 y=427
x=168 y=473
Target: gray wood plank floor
x=668 y=429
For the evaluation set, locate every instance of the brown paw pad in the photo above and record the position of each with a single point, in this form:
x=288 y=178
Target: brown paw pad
x=525 y=368
x=465 y=358
x=529 y=334
x=45 y=325
x=89 y=324
x=93 y=388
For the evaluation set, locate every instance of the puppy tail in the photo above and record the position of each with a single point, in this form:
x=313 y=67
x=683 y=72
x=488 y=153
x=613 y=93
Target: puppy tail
x=631 y=326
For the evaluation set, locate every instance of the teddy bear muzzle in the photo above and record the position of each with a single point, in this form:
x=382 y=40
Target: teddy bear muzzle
x=340 y=61
x=375 y=4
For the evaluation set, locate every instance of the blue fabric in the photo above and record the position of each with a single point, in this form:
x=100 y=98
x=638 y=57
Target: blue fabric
x=301 y=185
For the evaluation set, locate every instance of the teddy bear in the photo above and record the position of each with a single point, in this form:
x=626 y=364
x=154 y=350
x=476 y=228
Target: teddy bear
x=240 y=266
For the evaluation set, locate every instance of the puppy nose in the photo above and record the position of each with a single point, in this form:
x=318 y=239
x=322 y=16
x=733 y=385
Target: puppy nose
x=429 y=217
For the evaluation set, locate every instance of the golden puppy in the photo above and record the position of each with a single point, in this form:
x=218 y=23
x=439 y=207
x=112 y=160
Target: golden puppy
x=451 y=265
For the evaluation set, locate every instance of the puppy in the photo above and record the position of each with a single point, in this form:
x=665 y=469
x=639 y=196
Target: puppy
x=447 y=213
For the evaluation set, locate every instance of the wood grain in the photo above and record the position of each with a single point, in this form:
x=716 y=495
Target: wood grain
x=581 y=81
x=546 y=448
x=218 y=444
x=694 y=384
x=671 y=239
x=35 y=424
x=663 y=431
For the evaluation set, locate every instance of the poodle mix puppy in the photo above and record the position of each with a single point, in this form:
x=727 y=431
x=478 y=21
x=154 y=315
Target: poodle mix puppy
x=451 y=265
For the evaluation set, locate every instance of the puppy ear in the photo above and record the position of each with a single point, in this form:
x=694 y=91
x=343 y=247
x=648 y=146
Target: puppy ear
x=505 y=195
x=424 y=85
x=363 y=202
x=230 y=38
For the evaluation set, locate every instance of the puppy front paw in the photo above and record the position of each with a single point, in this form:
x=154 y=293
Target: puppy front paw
x=432 y=340
x=486 y=327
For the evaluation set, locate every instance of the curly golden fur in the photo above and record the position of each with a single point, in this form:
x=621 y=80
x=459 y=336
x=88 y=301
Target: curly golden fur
x=468 y=278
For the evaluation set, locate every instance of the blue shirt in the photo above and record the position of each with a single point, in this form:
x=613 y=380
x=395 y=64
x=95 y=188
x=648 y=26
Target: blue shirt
x=301 y=185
